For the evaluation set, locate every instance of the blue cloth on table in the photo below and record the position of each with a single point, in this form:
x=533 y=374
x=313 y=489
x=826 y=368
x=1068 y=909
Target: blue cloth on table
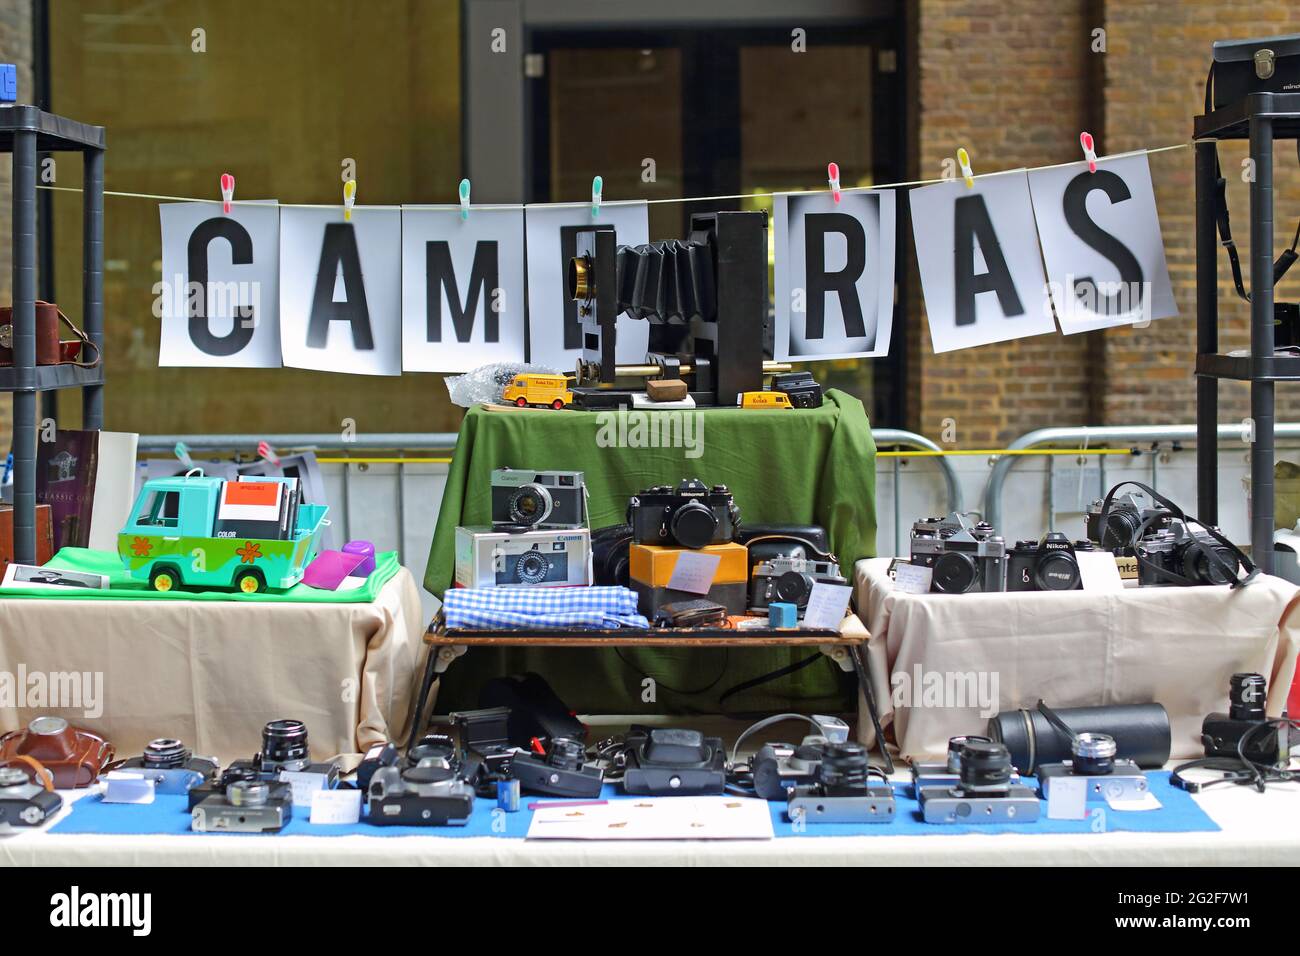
x=1179 y=813
x=549 y=608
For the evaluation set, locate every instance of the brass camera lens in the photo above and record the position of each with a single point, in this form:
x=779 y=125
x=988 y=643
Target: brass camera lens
x=581 y=278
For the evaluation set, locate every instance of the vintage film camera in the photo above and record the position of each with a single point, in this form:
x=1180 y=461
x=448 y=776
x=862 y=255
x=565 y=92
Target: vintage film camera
x=983 y=793
x=1093 y=756
x=948 y=773
x=561 y=772
x=536 y=500
x=534 y=564
x=800 y=387
x=433 y=789
x=244 y=806
x=285 y=757
x=963 y=558
x=705 y=298
x=662 y=762
x=1223 y=734
x=1046 y=565
x=172 y=767
x=24 y=803
x=1180 y=555
x=789 y=580
x=500 y=557
x=692 y=515
x=778 y=768
x=1124 y=523
x=485 y=739
x=842 y=791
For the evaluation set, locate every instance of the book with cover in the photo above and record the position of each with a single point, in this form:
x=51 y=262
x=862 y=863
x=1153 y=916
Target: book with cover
x=66 y=468
x=251 y=509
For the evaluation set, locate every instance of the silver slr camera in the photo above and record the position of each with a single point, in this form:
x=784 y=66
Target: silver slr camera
x=842 y=791
x=1093 y=756
x=983 y=793
x=172 y=767
x=246 y=806
x=964 y=558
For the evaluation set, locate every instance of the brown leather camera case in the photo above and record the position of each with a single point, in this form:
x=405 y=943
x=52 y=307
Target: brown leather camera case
x=74 y=756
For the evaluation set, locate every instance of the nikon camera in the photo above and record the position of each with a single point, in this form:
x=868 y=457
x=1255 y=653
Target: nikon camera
x=789 y=581
x=1047 y=565
x=534 y=500
x=963 y=558
x=692 y=515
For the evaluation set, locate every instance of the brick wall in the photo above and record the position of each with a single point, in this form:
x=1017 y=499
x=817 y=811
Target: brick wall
x=16 y=48
x=1015 y=82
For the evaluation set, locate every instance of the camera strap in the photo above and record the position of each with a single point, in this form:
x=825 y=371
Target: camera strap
x=1059 y=725
x=1173 y=511
x=1283 y=262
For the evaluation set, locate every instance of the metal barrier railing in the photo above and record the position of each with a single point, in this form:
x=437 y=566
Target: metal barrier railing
x=1085 y=436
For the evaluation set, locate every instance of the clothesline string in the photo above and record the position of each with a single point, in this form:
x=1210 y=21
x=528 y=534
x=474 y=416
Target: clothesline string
x=622 y=202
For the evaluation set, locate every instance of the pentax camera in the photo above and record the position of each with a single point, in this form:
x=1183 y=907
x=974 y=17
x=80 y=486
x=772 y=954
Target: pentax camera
x=1124 y=522
x=244 y=806
x=533 y=500
x=561 y=772
x=284 y=756
x=1046 y=565
x=24 y=803
x=1093 y=756
x=663 y=762
x=172 y=767
x=789 y=580
x=433 y=789
x=1178 y=555
x=1223 y=734
x=842 y=791
x=963 y=558
x=948 y=773
x=692 y=515
x=984 y=791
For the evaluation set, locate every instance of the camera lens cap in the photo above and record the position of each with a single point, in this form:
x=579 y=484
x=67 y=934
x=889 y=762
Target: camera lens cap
x=693 y=525
x=954 y=573
x=1057 y=571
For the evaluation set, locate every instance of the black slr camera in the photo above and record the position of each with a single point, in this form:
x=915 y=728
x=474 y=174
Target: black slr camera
x=1124 y=523
x=284 y=751
x=24 y=803
x=433 y=789
x=963 y=558
x=537 y=500
x=561 y=772
x=1245 y=729
x=662 y=762
x=1179 y=555
x=692 y=515
x=1047 y=565
x=842 y=791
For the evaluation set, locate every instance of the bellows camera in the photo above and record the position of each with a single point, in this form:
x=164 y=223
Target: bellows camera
x=172 y=767
x=842 y=791
x=561 y=772
x=535 y=500
x=661 y=762
x=963 y=558
x=433 y=789
x=1047 y=565
x=244 y=806
x=1093 y=756
x=789 y=581
x=984 y=792
x=1223 y=734
x=692 y=515
x=24 y=803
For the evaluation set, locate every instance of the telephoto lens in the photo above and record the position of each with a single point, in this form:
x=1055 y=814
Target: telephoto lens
x=1246 y=696
x=985 y=767
x=843 y=767
x=284 y=744
x=1093 y=755
x=165 y=753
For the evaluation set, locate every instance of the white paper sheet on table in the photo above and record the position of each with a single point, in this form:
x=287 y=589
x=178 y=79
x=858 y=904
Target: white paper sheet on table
x=656 y=818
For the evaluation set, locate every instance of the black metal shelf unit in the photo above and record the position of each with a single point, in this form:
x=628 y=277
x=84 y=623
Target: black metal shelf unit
x=26 y=131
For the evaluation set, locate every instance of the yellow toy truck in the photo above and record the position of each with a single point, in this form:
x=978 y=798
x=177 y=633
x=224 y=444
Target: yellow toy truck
x=538 y=391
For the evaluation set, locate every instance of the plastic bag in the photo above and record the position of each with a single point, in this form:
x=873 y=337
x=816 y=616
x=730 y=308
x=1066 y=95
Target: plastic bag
x=486 y=382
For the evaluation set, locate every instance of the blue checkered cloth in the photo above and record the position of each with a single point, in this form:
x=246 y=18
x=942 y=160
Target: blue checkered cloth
x=548 y=608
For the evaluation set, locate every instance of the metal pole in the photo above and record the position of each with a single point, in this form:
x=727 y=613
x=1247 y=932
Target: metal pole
x=92 y=280
x=24 y=344
x=1261 y=342
x=898 y=509
x=1207 y=336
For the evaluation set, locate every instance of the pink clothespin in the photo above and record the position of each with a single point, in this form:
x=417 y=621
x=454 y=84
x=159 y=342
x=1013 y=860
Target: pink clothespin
x=227 y=192
x=1089 y=152
x=267 y=452
x=833 y=177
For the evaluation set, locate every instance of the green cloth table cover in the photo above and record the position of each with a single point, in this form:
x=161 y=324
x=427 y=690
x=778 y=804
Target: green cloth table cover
x=800 y=466
x=121 y=585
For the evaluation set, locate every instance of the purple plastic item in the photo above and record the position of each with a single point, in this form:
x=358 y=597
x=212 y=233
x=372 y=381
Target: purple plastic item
x=367 y=551
x=329 y=569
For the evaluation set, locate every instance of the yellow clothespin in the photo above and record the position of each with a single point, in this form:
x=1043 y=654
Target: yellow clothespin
x=349 y=198
x=963 y=158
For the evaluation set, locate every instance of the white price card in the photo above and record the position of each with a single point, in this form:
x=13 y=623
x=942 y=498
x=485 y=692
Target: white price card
x=336 y=806
x=826 y=605
x=1143 y=801
x=1098 y=571
x=912 y=578
x=303 y=783
x=1067 y=798
x=694 y=572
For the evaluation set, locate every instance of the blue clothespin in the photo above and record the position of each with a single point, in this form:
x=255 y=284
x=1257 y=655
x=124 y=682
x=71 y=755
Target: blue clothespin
x=597 y=186
x=464 y=199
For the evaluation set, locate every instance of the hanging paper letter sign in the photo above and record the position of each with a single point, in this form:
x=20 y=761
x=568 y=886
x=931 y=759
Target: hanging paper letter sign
x=554 y=327
x=1102 y=244
x=462 y=288
x=219 y=293
x=341 y=290
x=834 y=277
x=977 y=249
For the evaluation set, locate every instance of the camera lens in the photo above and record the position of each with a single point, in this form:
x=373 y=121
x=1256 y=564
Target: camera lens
x=165 y=753
x=1093 y=754
x=843 y=765
x=1122 y=524
x=248 y=793
x=566 y=754
x=1199 y=566
x=954 y=573
x=1057 y=571
x=13 y=777
x=793 y=587
x=985 y=767
x=531 y=568
x=432 y=749
x=1246 y=695
x=284 y=743
x=693 y=525
x=580 y=278
x=954 y=749
x=529 y=504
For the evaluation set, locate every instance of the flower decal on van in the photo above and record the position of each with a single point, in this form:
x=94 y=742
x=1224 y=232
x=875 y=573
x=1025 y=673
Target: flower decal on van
x=249 y=553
